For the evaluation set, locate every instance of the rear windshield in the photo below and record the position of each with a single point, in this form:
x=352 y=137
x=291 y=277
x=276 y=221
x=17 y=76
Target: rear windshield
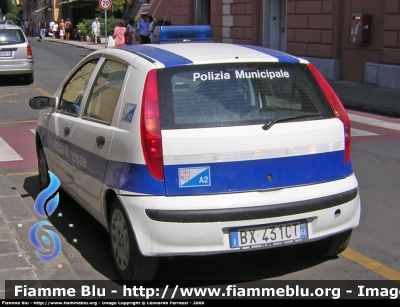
x=226 y=95
x=11 y=36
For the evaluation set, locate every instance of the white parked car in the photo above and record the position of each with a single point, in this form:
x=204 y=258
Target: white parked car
x=198 y=148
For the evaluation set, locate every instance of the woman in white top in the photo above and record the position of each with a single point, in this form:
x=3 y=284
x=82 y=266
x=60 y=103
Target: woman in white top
x=151 y=28
x=131 y=29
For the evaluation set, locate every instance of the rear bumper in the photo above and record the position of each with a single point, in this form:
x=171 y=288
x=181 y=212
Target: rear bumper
x=21 y=69
x=199 y=225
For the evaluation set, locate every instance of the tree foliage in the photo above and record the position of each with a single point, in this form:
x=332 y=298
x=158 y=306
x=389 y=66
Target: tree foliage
x=118 y=5
x=10 y=10
x=85 y=27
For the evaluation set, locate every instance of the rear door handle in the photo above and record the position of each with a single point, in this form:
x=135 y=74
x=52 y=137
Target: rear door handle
x=100 y=140
x=66 y=131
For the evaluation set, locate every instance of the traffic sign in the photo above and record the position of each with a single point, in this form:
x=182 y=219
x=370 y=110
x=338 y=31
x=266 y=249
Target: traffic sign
x=105 y=4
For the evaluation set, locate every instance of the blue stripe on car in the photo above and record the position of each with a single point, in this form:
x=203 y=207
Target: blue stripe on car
x=169 y=59
x=282 y=57
x=263 y=174
x=133 y=177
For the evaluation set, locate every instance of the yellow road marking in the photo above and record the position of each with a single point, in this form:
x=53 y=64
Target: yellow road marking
x=371 y=264
x=8 y=95
x=43 y=92
x=22 y=174
x=29 y=121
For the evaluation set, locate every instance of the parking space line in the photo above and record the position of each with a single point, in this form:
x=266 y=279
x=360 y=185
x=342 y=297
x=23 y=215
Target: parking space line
x=22 y=174
x=19 y=122
x=43 y=92
x=371 y=264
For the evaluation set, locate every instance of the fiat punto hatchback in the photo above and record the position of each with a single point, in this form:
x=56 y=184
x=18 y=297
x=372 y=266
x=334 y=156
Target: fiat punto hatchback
x=199 y=148
x=16 y=58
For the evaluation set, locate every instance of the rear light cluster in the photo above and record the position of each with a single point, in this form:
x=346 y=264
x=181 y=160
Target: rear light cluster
x=29 y=53
x=150 y=127
x=337 y=107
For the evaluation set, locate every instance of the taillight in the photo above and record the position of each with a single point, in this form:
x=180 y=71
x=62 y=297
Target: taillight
x=29 y=52
x=150 y=127
x=337 y=107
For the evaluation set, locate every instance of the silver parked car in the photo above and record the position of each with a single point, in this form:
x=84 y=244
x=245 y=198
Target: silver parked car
x=16 y=56
x=7 y=22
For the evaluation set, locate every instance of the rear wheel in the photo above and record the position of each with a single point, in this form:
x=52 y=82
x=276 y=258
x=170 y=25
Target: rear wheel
x=130 y=263
x=44 y=178
x=331 y=246
x=29 y=79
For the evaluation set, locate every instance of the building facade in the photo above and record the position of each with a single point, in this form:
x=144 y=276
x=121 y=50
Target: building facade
x=75 y=10
x=323 y=31
x=352 y=40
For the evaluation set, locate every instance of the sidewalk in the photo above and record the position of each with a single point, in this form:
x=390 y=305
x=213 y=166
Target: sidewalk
x=366 y=98
x=353 y=95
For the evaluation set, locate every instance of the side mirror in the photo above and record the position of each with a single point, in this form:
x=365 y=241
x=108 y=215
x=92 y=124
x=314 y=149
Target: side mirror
x=42 y=102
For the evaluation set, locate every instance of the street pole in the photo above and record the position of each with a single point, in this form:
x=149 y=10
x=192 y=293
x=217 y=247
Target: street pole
x=105 y=27
x=54 y=10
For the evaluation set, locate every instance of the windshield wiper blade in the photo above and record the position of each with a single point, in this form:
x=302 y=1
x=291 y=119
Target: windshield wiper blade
x=281 y=119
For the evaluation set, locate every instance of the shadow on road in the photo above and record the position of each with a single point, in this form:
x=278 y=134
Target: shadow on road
x=94 y=247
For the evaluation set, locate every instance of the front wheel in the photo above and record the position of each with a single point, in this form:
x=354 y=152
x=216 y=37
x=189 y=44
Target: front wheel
x=330 y=246
x=44 y=178
x=130 y=263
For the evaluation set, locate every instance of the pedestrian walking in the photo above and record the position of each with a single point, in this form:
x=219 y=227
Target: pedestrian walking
x=51 y=24
x=31 y=27
x=42 y=29
x=68 y=29
x=62 y=29
x=55 y=29
x=142 y=29
x=96 y=29
x=26 y=27
x=119 y=33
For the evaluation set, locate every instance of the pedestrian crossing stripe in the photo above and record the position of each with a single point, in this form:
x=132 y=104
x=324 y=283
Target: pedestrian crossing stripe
x=7 y=153
x=374 y=122
x=358 y=132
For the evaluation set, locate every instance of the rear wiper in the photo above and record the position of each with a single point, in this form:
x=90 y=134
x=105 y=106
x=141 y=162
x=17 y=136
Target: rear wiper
x=273 y=121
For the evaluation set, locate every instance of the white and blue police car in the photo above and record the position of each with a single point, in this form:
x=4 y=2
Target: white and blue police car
x=198 y=148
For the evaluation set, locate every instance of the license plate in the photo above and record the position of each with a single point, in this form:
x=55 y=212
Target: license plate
x=268 y=235
x=5 y=53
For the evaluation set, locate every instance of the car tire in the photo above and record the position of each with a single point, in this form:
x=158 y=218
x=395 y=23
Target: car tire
x=330 y=246
x=131 y=265
x=43 y=169
x=29 y=78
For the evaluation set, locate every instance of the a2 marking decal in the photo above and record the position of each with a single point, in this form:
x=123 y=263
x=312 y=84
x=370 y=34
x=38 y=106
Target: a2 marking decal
x=194 y=177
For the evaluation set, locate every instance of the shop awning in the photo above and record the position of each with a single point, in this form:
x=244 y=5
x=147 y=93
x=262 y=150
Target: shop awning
x=65 y=2
x=82 y=2
x=40 y=9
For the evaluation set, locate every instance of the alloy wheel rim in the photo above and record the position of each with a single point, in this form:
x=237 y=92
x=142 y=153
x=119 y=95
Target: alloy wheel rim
x=120 y=239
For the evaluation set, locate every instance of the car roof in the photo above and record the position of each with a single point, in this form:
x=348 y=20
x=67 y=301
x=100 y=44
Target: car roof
x=178 y=54
x=7 y=26
x=9 y=22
